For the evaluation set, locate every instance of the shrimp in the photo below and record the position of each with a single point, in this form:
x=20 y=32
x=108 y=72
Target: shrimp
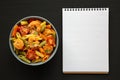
x=34 y=24
x=48 y=32
x=33 y=39
x=18 y=44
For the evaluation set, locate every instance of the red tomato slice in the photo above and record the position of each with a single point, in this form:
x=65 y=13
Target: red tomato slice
x=30 y=54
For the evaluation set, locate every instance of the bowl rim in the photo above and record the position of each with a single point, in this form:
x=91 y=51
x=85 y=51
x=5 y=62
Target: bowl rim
x=53 y=53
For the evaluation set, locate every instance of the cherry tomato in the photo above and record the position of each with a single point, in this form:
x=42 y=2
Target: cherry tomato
x=31 y=54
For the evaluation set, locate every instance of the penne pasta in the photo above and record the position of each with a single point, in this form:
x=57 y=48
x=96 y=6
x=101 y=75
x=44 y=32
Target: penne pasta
x=33 y=40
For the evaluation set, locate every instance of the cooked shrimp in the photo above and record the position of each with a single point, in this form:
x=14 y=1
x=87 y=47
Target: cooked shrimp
x=35 y=24
x=18 y=44
x=47 y=32
x=33 y=39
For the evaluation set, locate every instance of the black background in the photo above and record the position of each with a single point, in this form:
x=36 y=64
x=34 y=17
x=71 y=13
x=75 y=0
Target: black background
x=13 y=10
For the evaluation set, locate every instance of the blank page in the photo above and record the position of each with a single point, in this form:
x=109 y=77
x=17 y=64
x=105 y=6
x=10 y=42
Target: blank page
x=85 y=40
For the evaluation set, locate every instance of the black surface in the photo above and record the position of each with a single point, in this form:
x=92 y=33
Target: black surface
x=11 y=11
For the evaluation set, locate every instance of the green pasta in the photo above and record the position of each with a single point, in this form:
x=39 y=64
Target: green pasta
x=24 y=58
x=17 y=51
x=43 y=28
x=22 y=53
x=35 y=33
x=42 y=43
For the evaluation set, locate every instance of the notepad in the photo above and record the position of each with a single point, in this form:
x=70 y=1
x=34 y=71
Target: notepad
x=85 y=40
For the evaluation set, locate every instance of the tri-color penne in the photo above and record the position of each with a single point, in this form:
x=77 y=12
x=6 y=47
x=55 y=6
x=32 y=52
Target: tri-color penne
x=33 y=40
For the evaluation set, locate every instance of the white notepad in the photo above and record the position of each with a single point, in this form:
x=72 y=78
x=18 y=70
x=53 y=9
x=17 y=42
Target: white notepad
x=85 y=40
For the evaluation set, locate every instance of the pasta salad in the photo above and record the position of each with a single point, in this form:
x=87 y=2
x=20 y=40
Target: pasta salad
x=33 y=40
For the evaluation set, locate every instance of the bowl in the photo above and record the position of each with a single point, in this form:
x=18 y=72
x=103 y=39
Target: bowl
x=31 y=44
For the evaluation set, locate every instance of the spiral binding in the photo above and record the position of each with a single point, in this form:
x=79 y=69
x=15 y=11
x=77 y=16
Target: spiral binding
x=85 y=9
